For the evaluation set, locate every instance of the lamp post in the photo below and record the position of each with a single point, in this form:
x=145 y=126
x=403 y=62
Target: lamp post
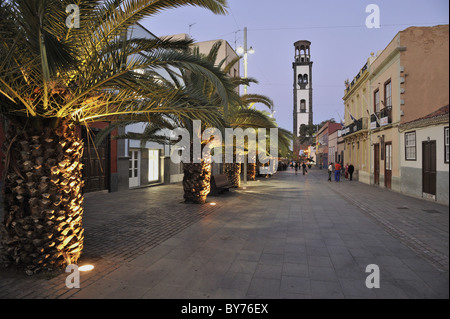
x=245 y=51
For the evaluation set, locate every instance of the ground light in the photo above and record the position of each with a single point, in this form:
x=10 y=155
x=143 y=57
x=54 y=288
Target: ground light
x=86 y=268
x=212 y=204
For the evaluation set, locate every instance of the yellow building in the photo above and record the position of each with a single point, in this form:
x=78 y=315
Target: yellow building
x=356 y=133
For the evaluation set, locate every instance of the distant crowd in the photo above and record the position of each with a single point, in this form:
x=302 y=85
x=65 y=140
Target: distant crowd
x=334 y=169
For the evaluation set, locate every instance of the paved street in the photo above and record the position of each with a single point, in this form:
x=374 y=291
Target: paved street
x=289 y=236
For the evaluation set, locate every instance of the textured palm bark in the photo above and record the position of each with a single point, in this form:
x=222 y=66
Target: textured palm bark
x=196 y=182
x=251 y=171
x=233 y=172
x=42 y=191
x=197 y=177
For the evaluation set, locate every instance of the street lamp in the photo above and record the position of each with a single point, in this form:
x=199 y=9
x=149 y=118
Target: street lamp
x=245 y=52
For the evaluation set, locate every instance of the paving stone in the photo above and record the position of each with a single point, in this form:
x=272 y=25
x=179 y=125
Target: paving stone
x=300 y=238
x=326 y=290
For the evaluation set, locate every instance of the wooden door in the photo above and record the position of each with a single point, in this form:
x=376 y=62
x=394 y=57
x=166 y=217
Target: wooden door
x=376 y=165
x=96 y=159
x=429 y=167
x=388 y=165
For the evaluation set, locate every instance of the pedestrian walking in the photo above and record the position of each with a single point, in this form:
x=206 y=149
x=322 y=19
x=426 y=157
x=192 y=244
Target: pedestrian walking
x=296 y=168
x=330 y=171
x=304 y=168
x=337 y=172
x=351 y=169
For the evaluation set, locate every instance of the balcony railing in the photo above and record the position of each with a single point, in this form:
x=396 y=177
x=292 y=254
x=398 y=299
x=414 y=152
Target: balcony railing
x=358 y=125
x=384 y=118
x=386 y=115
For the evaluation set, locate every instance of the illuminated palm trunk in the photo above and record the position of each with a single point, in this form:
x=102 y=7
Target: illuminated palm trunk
x=197 y=178
x=196 y=182
x=251 y=171
x=233 y=172
x=42 y=226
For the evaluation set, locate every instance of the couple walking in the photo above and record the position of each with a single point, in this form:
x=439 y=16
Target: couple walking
x=349 y=169
x=337 y=171
x=303 y=168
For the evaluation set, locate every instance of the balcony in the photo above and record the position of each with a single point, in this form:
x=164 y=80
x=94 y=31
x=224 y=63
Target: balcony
x=358 y=125
x=384 y=118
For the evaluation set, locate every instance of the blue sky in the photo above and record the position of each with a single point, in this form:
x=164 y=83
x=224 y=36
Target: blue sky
x=340 y=41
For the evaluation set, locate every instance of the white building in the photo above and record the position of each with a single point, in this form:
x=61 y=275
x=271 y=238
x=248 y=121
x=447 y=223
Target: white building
x=424 y=147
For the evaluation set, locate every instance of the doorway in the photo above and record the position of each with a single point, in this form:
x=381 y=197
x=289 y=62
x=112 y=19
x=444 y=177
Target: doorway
x=134 y=167
x=429 y=167
x=96 y=159
x=388 y=165
x=153 y=165
x=376 y=165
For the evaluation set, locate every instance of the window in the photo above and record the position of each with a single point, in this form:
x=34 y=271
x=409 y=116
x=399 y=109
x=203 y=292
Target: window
x=376 y=105
x=300 y=79
x=410 y=146
x=305 y=78
x=303 y=106
x=388 y=94
x=446 y=141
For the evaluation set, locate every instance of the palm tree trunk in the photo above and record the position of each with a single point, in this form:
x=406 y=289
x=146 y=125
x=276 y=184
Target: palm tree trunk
x=251 y=171
x=233 y=172
x=42 y=226
x=196 y=182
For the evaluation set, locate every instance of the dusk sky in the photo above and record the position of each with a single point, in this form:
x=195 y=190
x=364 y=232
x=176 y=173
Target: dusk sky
x=340 y=41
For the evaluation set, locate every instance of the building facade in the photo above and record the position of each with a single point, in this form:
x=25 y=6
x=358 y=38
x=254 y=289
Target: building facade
x=355 y=134
x=403 y=83
x=424 y=147
x=328 y=132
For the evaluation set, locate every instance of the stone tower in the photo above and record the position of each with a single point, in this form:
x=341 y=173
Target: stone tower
x=303 y=113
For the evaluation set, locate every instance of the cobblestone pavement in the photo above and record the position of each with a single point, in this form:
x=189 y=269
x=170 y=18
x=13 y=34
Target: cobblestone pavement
x=420 y=224
x=289 y=236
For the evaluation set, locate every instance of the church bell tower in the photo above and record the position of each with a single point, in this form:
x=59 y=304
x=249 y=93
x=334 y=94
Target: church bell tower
x=303 y=113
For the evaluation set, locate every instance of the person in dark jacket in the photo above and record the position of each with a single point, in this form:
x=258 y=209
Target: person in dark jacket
x=351 y=169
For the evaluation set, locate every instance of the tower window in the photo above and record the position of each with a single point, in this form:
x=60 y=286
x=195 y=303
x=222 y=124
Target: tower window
x=302 y=80
x=303 y=106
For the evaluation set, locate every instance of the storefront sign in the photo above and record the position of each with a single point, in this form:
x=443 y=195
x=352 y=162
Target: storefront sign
x=373 y=125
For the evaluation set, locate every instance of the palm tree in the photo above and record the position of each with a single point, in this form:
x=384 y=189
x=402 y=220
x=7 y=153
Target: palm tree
x=238 y=113
x=53 y=78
